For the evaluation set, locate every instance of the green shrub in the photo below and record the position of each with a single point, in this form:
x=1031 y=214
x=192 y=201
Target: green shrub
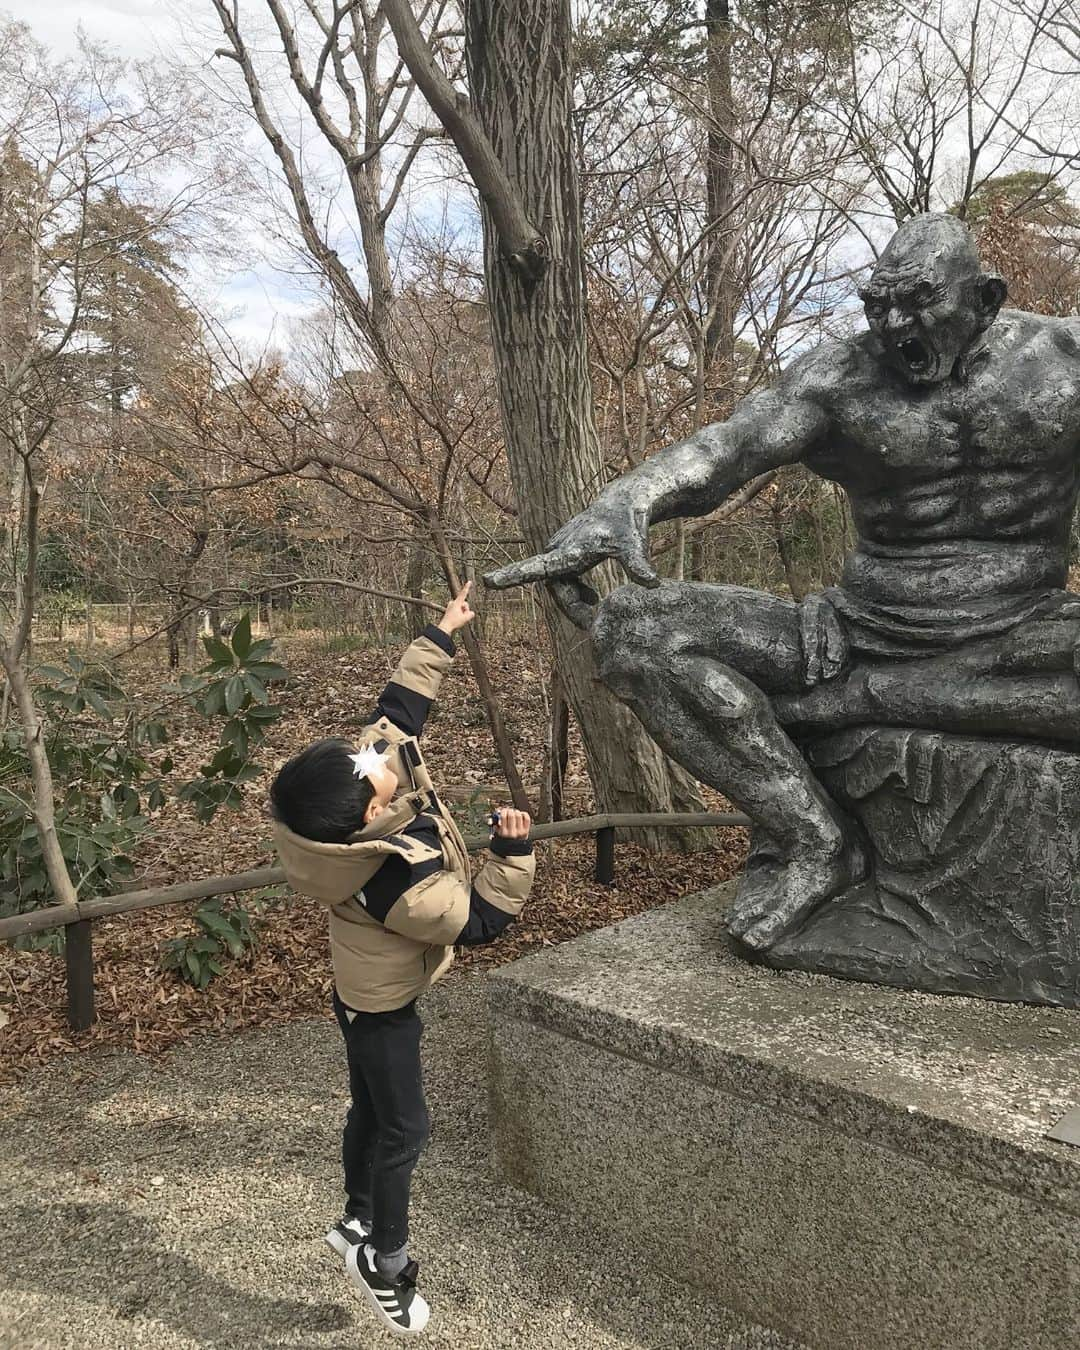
x=103 y=779
x=225 y=934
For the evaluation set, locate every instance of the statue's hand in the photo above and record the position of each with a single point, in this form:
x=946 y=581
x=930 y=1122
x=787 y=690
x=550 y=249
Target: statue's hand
x=824 y=643
x=613 y=527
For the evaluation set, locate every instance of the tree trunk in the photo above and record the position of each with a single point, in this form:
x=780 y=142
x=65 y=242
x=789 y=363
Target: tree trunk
x=15 y=656
x=783 y=545
x=520 y=79
x=41 y=774
x=172 y=641
x=719 y=195
x=698 y=556
x=819 y=534
x=415 y=617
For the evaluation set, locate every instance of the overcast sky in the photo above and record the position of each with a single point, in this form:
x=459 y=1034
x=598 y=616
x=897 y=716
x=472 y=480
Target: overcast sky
x=133 y=27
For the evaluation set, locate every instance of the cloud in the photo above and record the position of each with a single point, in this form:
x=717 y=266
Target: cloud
x=133 y=28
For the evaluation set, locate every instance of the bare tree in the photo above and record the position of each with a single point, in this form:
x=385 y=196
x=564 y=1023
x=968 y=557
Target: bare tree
x=953 y=95
x=519 y=115
x=336 y=61
x=68 y=131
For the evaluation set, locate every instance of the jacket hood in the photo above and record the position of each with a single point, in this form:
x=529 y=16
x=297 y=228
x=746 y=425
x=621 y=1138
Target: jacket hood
x=334 y=872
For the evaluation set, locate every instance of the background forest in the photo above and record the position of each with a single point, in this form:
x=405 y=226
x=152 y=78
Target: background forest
x=516 y=256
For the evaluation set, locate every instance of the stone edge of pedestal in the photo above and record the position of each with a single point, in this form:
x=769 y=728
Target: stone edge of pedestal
x=932 y=1141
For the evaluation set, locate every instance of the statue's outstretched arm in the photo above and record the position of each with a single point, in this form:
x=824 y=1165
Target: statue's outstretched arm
x=772 y=427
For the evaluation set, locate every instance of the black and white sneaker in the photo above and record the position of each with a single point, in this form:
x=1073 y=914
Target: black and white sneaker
x=346 y=1233
x=395 y=1303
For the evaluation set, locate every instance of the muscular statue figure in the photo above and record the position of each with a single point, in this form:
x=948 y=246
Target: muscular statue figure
x=954 y=427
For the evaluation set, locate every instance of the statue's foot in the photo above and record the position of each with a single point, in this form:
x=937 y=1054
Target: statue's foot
x=777 y=893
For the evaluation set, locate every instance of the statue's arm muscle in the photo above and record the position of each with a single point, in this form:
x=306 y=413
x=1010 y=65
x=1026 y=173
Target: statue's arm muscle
x=769 y=428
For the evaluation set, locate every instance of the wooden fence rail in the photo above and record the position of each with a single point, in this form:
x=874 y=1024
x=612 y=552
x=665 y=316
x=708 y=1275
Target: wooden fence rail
x=78 y=923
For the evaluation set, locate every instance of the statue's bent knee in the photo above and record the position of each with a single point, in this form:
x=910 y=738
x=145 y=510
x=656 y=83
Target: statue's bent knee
x=621 y=630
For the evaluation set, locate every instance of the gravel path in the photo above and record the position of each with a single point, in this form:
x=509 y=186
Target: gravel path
x=182 y=1204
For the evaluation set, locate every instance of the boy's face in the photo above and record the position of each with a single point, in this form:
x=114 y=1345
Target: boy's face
x=384 y=782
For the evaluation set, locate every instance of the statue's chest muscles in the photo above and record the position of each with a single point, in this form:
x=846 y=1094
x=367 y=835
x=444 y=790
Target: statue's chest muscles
x=986 y=453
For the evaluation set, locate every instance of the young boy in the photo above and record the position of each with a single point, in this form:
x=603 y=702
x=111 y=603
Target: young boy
x=362 y=829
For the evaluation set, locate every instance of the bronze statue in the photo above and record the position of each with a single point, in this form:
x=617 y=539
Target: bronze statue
x=954 y=427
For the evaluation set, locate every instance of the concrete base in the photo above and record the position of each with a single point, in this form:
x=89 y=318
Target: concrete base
x=850 y=1165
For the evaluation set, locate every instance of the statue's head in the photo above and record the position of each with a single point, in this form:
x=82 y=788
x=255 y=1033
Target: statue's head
x=928 y=297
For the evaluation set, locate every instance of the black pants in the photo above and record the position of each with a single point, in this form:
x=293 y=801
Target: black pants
x=387 y=1124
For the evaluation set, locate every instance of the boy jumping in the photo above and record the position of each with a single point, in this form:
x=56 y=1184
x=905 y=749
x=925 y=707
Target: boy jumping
x=361 y=828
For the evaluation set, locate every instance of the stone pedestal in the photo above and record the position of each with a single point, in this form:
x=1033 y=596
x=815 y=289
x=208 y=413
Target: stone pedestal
x=851 y=1165
x=976 y=884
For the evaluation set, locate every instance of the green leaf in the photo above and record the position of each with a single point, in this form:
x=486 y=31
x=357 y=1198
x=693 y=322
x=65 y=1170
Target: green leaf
x=224 y=760
x=75 y=661
x=53 y=673
x=212 y=701
x=166 y=765
x=260 y=650
x=235 y=693
x=241 y=638
x=98 y=704
x=156 y=800
x=217 y=651
x=262 y=714
x=267 y=670
x=255 y=688
x=82 y=852
x=234 y=734
x=215 y=922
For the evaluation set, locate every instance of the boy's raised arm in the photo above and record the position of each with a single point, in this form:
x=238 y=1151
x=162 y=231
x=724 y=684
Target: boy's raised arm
x=414 y=685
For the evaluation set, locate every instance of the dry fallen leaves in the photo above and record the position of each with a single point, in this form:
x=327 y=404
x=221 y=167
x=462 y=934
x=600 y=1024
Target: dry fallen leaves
x=287 y=975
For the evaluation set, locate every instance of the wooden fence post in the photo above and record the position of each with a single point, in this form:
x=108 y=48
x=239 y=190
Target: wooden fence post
x=605 y=855
x=79 y=957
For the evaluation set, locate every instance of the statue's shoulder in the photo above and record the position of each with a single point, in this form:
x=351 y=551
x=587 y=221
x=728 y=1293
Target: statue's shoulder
x=1017 y=331
x=832 y=368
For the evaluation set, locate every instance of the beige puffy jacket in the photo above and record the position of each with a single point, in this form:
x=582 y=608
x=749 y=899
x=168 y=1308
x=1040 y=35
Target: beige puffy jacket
x=401 y=893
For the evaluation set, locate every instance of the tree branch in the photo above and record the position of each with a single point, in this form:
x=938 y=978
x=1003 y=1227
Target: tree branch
x=524 y=247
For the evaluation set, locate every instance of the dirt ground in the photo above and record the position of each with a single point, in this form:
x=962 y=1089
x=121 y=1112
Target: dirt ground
x=333 y=684
x=180 y=1201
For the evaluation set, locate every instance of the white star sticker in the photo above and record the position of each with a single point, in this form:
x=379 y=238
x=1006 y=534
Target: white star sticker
x=367 y=760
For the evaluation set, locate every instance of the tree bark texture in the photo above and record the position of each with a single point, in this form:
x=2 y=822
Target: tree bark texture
x=719 y=189
x=14 y=655
x=416 y=567
x=521 y=84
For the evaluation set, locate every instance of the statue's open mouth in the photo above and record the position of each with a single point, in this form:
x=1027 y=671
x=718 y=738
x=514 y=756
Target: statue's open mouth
x=915 y=355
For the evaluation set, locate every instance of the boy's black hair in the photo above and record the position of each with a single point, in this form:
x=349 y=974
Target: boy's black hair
x=318 y=795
